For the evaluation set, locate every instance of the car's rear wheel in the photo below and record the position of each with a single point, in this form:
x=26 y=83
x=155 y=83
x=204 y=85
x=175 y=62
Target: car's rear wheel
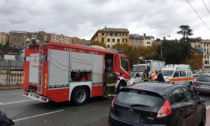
x=80 y=96
x=203 y=122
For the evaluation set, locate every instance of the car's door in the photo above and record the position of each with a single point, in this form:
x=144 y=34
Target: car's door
x=137 y=78
x=193 y=112
x=182 y=77
x=178 y=106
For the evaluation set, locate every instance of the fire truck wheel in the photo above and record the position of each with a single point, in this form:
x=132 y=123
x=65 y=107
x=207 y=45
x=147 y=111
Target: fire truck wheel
x=80 y=96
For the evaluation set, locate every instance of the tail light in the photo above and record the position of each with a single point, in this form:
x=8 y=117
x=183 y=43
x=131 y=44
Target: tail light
x=165 y=110
x=113 y=101
x=194 y=81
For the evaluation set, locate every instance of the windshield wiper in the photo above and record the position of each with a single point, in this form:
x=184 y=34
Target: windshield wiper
x=134 y=105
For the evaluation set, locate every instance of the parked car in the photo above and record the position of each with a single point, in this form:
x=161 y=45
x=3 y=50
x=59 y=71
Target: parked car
x=4 y=120
x=157 y=104
x=202 y=84
x=135 y=78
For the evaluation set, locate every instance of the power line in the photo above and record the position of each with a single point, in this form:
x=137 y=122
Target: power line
x=198 y=15
x=206 y=6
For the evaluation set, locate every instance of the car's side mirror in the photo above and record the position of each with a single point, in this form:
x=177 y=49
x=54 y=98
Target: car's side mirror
x=201 y=100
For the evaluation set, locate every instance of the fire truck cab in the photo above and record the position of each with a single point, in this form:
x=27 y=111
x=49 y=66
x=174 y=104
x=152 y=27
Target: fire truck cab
x=63 y=72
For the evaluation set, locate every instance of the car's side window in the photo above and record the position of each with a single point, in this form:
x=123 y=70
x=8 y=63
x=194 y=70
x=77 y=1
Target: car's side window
x=176 y=74
x=189 y=95
x=178 y=96
x=182 y=74
x=171 y=99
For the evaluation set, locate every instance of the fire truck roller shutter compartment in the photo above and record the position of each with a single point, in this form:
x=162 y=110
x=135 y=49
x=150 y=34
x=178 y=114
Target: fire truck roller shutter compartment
x=58 y=68
x=97 y=69
x=34 y=68
x=80 y=61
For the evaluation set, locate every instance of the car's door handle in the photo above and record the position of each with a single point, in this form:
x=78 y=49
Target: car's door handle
x=181 y=109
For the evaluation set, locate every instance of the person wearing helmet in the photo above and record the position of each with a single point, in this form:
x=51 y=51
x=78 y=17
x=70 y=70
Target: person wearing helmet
x=110 y=78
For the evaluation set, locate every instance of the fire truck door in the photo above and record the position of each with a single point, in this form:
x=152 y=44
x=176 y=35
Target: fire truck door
x=108 y=61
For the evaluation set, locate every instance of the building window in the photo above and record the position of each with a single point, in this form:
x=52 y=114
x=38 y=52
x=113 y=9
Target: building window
x=119 y=34
x=102 y=40
x=118 y=40
x=206 y=62
x=108 y=34
x=125 y=40
x=111 y=34
x=113 y=40
x=108 y=40
x=102 y=34
x=108 y=46
x=148 y=42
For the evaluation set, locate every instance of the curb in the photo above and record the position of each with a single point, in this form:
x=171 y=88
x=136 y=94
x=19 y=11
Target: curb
x=10 y=87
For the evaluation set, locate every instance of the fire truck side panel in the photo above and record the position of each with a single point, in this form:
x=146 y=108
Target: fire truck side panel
x=58 y=68
x=80 y=61
x=58 y=95
x=25 y=75
x=97 y=90
x=97 y=69
x=33 y=68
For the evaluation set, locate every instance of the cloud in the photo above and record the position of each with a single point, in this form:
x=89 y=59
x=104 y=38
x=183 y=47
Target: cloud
x=82 y=18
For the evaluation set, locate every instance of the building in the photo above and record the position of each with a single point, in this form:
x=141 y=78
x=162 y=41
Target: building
x=203 y=46
x=17 y=39
x=4 y=38
x=148 y=40
x=136 y=40
x=59 y=38
x=111 y=36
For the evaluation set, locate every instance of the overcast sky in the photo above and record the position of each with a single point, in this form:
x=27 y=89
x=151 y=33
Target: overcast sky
x=82 y=18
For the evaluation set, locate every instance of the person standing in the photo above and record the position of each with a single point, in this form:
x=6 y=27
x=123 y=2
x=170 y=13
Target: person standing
x=145 y=76
x=110 y=78
x=160 y=77
x=153 y=76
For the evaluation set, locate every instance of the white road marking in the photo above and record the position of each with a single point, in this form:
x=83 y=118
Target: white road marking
x=37 y=115
x=10 y=94
x=15 y=102
x=208 y=108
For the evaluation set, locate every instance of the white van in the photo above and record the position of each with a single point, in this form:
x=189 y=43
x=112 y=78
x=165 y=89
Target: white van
x=178 y=74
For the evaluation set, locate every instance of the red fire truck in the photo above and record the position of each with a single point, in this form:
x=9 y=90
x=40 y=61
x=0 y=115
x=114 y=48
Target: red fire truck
x=63 y=72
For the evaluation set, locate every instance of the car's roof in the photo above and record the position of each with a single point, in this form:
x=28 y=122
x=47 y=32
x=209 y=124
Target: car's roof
x=160 y=88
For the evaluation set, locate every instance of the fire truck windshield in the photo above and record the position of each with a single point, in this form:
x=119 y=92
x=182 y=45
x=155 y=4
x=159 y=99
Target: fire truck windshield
x=124 y=63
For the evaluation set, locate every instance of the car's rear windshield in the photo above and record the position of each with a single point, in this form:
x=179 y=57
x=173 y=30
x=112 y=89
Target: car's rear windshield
x=138 y=97
x=203 y=78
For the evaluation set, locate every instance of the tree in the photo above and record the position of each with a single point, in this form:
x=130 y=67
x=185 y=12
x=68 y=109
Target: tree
x=97 y=43
x=195 y=61
x=185 y=32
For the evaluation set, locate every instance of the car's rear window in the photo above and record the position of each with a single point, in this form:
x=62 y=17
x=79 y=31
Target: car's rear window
x=140 y=97
x=203 y=78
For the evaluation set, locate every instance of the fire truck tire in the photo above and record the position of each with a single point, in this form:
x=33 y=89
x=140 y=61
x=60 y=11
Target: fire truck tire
x=80 y=96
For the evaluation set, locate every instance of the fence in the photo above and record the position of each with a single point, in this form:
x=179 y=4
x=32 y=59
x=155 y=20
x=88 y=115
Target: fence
x=11 y=73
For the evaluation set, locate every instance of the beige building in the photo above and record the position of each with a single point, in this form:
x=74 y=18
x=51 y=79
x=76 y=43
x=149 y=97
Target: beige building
x=59 y=38
x=17 y=39
x=148 y=40
x=111 y=36
x=203 y=46
x=3 y=38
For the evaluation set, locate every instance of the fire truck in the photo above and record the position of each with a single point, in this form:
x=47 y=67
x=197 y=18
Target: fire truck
x=65 y=72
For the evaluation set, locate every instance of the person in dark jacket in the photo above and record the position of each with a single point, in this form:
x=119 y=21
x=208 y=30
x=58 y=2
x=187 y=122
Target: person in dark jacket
x=160 y=77
x=110 y=78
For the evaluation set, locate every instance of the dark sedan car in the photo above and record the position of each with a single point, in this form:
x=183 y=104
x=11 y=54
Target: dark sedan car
x=157 y=104
x=202 y=84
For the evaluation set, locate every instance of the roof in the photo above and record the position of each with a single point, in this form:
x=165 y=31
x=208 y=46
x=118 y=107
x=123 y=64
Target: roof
x=83 y=47
x=159 y=88
x=113 y=30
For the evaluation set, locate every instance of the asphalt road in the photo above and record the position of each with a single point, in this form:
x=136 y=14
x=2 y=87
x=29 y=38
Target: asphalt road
x=28 y=112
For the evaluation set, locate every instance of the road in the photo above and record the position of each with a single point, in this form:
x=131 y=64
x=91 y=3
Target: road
x=24 y=111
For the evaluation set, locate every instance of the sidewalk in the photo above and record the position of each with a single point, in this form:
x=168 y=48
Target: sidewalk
x=10 y=87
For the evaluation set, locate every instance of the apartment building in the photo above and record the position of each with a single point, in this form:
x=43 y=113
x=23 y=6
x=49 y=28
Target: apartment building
x=203 y=46
x=4 y=38
x=136 y=40
x=59 y=38
x=148 y=40
x=17 y=39
x=111 y=36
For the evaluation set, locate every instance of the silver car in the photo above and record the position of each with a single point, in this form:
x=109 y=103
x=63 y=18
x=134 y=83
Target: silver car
x=202 y=84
